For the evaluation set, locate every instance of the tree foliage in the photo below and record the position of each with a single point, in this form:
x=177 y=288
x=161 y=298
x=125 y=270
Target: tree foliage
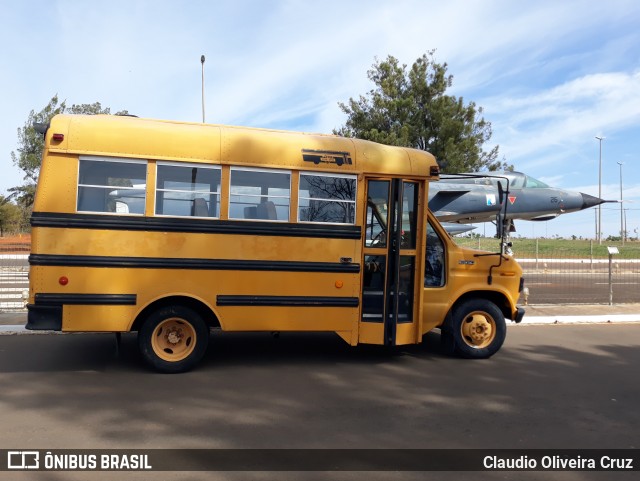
x=410 y=108
x=31 y=144
x=10 y=216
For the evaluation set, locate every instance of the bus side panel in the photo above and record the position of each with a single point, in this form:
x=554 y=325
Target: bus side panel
x=100 y=318
x=310 y=318
x=371 y=333
x=182 y=245
x=106 y=318
x=464 y=278
x=248 y=282
x=263 y=300
x=57 y=188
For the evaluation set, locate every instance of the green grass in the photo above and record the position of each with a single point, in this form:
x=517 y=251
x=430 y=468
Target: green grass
x=556 y=248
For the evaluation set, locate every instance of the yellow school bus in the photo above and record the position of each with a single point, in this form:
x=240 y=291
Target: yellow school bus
x=171 y=229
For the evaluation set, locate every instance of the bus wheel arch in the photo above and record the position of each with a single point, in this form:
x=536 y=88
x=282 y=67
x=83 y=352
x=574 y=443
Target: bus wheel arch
x=475 y=327
x=197 y=305
x=173 y=334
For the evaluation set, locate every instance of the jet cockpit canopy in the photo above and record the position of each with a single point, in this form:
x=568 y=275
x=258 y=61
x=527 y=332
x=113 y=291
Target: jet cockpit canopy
x=517 y=180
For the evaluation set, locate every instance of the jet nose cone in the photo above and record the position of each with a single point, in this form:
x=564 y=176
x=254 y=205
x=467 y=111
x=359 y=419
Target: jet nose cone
x=590 y=201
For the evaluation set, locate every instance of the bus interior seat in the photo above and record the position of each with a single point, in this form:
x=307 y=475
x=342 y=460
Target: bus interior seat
x=251 y=212
x=199 y=208
x=121 y=207
x=267 y=210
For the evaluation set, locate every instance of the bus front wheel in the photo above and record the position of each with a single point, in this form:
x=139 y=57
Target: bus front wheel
x=477 y=329
x=173 y=339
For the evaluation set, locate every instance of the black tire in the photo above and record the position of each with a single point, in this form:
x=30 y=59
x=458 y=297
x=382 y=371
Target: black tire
x=447 y=344
x=477 y=329
x=173 y=339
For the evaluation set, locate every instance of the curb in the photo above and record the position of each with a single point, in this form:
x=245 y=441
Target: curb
x=11 y=329
x=602 y=319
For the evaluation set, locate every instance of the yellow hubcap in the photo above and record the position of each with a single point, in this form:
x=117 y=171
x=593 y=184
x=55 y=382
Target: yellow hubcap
x=173 y=339
x=478 y=329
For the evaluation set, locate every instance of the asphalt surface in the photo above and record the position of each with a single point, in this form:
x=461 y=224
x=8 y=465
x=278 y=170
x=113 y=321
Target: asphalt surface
x=551 y=386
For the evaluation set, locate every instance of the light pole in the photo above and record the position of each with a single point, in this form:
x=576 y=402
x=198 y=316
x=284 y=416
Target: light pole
x=202 y=62
x=622 y=232
x=599 y=231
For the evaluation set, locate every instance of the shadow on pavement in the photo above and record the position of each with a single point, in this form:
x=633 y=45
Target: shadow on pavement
x=550 y=387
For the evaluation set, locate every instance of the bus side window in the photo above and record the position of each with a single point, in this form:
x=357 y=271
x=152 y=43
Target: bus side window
x=434 y=266
x=188 y=190
x=111 y=185
x=262 y=194
x=327 y=199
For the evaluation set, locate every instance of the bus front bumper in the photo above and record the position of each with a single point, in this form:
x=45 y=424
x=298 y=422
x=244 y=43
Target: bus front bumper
x=519 y=315
x=44 y=318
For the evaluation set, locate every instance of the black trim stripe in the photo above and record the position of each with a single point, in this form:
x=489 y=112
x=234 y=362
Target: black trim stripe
x=44 y=299
x=287 y=301
x=205 y=226
x=189 y=263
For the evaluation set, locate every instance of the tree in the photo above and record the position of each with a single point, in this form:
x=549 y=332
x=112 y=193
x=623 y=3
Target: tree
x=31 y=145
x=411 y=109
x=9 y=216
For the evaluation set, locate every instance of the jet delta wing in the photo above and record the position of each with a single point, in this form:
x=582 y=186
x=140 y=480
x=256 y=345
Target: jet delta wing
x=477 y=199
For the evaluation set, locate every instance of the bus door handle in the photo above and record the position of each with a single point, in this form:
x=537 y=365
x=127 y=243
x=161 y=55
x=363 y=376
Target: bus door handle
x=346 y=260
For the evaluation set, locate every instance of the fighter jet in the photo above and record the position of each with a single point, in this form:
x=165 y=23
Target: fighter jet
x=481 y=198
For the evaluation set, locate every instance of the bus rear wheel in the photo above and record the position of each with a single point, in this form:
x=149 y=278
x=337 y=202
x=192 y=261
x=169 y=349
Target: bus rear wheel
x=477 y=329
x=173 y=339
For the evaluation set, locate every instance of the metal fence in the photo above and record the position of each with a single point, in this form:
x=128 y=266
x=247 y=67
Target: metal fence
x=560 y=271
x=556 y=271
x=588 y=281
x=14 y=271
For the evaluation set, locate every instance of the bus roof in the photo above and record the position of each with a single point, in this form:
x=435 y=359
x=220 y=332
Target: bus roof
x=132 y=137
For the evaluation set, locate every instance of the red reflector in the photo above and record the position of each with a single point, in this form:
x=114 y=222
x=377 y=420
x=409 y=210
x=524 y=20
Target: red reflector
x=58 y=137
x=63 y=281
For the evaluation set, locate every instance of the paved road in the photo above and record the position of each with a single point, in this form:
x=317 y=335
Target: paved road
x=549 y=387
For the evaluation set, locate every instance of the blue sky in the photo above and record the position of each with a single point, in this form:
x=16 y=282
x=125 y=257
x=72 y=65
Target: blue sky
x=550 y=75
